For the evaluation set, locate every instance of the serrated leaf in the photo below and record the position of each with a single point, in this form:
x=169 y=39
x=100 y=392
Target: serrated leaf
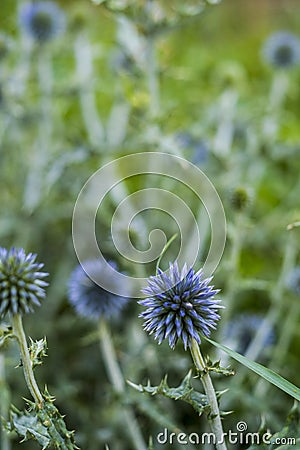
x=37 y=351
x=61 y=438
x=184 y=392
x=28 y=426
x=45 y=425
x=215 y=367
x=264 y=372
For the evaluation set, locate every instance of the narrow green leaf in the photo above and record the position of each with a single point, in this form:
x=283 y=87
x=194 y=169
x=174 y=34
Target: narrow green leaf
x=165 y=249
x=262 y=371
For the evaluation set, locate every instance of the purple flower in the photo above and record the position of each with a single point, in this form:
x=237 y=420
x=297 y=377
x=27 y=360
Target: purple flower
x=282 y=50
x=42 y=21
x=180 y=305
x=21 y=282
x=90 y=299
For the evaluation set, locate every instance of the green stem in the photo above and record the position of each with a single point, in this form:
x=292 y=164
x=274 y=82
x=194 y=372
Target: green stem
x=233 y=283
x=277 y=96
x=152 y=68
x=84 y=71
x=153 y=84
x=26 y=361
x=116 y=378
x=215 y=420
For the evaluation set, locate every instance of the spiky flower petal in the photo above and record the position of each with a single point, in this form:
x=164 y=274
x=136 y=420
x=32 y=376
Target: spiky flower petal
x=21 y=282
x=180 y=305
x=282 y=50
x=42 y=21
x=90 y=299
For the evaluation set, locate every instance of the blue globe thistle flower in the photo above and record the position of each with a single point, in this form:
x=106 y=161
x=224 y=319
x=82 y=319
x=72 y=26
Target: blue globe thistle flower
x=90 y=299
x=180 y=305
x=293 y=280
x=21 y=282
x=42 y=21
x=282 y=50
x=241 y=330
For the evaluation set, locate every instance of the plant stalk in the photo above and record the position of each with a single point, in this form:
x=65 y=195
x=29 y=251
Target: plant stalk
x=215 y=420
x=116 y=378
x=26 y=361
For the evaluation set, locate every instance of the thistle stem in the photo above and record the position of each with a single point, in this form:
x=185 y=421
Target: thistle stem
x=215 y=420
x=26 y=361
x=116 y=378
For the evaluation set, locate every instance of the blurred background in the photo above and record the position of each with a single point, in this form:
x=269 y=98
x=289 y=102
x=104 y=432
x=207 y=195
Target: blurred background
x=82 y=83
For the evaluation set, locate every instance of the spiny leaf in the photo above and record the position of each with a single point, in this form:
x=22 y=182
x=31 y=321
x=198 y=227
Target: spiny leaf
x=184 y=392
x=28 y=426
x=37 y=351
x=45 y=425
x=262 y=371
x=215 y=367
x=61 y=438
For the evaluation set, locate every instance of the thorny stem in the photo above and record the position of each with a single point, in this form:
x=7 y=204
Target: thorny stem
x=26 y=361
x=115 y=375
x=215 y=419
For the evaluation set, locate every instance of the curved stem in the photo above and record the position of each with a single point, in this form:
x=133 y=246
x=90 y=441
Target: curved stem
x=215 y=420
x=116 y=378
x=26 y=361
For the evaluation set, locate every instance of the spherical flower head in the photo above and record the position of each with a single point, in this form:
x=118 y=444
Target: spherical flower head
x=240 y=332
x=42 y=21
x=88 y=298
x=239 y=198
x=282 y=50
x=293 y=280
x=180 y=305
x=21 y=282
